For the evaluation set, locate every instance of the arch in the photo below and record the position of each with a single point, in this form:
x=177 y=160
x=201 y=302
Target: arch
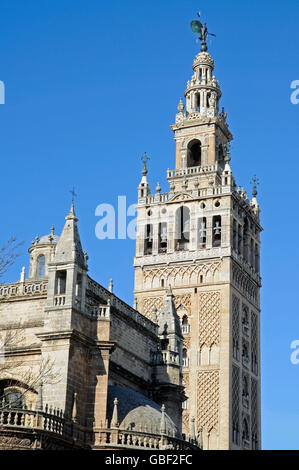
x=41 y=266
x=245 y=430
x=185 y=358
x=182 y=223
x=185 y=325
x=194 y=153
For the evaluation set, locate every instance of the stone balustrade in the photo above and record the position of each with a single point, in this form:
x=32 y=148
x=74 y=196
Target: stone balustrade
x=120 y=438
x=121 y=306
x=52 y=420
x=194 y=170
x=20 y=289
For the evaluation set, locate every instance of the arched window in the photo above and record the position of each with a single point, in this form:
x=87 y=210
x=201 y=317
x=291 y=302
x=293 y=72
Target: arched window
x=182 y=228
x=245 y=431
x=12 y=397
x=185 y=358
x=41 y=265
x=245 y=387
x=216 y=230
x=185 y=325
x=194 y=153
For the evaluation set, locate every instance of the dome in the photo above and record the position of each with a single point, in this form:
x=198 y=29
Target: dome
x=136 y=411
x=46 y=238
x=203 y=58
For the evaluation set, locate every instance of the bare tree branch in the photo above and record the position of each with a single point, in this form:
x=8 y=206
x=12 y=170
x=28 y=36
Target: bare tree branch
x=8 y=254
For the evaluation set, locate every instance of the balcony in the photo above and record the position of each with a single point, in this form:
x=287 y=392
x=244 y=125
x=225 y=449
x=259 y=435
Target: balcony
x=22 y=428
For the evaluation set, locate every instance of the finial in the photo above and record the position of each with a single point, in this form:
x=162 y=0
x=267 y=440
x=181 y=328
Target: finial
x=114 y=420
x=202 y=30
x=145 y=158
x=158 y=188
x=51 y=236
x=85 y=257
x=23 y=274
x=110 y=288
x=163 y=422
x=255 y=182
x=74 y=195
x=181 y=106
x=74 y=408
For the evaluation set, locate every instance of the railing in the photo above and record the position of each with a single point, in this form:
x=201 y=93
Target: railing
x=146 y=440
x=59 y=300
x=121 y=306
x=98 y=311
x=50 y=420
x=20 y=289
x=194 y=170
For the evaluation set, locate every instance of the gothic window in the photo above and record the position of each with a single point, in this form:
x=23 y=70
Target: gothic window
x=254 y=344
x=60 y=282
x=245 y=319
x=245 y=354
x=182 y=228
x=245 y=391
x=148 y=242
x=194 y=153
x=239 y=239
x=185 y=358
x=254 y=414
x=185 y=325
x=257 y=258
x=245 y=239
x=235 y=235
x=41 y=265
x=202 y=232
x=162 y=237
x=245 y=431
x=79 y=285
x=235 y=405
x=216 y=230
x=236 y=327
x=251 y=252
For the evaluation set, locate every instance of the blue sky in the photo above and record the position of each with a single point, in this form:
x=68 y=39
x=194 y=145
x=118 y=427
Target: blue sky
x=91 y=85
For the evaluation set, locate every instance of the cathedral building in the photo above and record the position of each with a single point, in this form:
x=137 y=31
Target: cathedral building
x=79 y=368
x=82 y=369
x=202 y=238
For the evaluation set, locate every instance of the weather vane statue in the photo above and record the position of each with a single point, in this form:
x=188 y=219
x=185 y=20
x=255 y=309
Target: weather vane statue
x=201 y=29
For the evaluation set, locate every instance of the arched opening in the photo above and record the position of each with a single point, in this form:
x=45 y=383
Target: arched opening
x=185 y=358
x=194 y=153
x=185 y=325
x=41 y=266
x=182 y=228
x=245 y=431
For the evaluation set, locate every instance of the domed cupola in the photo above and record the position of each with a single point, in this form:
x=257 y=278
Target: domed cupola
x=41 y=253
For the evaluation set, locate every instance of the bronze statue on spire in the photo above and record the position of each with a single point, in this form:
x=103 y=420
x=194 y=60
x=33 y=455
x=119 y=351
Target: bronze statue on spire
x=201 y=29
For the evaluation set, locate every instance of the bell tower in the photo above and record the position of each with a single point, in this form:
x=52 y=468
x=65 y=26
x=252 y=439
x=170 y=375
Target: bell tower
x=202 y=239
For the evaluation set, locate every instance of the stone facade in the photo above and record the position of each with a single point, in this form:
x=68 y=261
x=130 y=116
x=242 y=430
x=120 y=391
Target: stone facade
x=77 y=352
x=202 y=238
